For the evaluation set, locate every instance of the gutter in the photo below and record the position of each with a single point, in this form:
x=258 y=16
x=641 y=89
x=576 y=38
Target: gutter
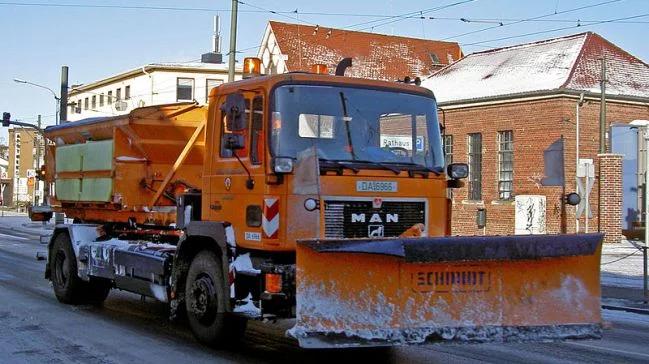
x=541 y=95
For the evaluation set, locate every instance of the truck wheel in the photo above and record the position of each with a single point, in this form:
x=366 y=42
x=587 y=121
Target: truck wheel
x=205 y=303
x=68 y=287
x=96 y=291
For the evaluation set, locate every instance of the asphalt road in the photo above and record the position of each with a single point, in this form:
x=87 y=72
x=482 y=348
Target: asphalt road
x=36 y=328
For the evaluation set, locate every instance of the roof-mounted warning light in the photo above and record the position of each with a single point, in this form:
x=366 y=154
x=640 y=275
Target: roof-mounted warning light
x=320 y=69
x=251 y=67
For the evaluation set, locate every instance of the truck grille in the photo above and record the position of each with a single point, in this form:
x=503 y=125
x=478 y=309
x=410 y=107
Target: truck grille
x=359 y=219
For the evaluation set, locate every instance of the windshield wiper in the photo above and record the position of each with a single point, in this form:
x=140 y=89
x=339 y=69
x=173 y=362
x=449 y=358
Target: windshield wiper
x=339 y=166
x=420 y=167
x=343 y=102
x=382 y=165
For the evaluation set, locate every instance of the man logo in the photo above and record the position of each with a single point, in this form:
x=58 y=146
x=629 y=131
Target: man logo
x=375 y=231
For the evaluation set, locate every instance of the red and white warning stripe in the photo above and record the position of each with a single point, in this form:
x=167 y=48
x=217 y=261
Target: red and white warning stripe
x=270 y=218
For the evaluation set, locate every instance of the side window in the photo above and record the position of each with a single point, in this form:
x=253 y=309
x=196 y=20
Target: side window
x=227 y=153
x=256 y=132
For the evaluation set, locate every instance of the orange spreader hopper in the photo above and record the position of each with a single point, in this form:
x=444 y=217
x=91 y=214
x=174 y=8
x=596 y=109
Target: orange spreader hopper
x=467 y=289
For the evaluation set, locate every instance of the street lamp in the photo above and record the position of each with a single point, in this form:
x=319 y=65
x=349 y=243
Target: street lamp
x=56 y=97
x=643 y=125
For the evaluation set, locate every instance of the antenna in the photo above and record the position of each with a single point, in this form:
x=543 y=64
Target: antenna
x=216 y=37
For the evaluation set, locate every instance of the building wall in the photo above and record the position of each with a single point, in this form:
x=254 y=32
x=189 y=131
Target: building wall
x=22 y=161
x=535 y=125
x=162 y=82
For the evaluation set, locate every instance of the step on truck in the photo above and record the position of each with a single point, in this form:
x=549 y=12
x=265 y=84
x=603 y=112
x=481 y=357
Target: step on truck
x=313 y=197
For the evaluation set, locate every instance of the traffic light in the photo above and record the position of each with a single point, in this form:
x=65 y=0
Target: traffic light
x=5 y=119
x=41 y=174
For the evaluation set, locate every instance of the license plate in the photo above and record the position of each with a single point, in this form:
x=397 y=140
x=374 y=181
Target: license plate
x=376 y=186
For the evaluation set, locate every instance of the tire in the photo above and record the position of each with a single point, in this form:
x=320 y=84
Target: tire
x=68 y=287
x=206 y=302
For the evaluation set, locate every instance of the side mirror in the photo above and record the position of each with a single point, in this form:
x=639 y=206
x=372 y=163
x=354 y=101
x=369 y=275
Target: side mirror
x=457 y=170
x=234 y=141
x=234 y=108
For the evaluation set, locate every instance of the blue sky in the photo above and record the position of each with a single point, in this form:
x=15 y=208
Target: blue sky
x=96 y=42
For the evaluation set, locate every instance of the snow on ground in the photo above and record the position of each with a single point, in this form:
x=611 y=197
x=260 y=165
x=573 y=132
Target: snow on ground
x=622 y=265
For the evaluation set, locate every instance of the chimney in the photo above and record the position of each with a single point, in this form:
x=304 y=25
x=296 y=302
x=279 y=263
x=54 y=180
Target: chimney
x=215 y=55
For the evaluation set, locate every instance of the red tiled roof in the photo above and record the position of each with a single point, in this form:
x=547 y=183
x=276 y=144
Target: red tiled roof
x=375 y=56
x=570 y=62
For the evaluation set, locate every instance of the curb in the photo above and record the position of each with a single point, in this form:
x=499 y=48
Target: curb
x=641 y=311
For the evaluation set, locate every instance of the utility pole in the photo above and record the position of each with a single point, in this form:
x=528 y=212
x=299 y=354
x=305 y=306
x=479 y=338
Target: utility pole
x=602 y=109
x=233 y=40
x=37 y=145
x=63 y=106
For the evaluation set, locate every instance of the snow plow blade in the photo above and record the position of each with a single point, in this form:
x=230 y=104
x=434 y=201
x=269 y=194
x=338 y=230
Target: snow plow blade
x=463 y=289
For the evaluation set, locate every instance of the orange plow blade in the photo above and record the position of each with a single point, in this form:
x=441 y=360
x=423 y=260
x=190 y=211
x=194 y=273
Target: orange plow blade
x=467 y=289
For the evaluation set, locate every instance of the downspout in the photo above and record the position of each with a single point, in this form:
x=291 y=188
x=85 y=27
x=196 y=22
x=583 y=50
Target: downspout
x=151 y=79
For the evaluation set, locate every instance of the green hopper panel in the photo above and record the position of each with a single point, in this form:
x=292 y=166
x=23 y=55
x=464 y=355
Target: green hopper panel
x=68 y=189
x=68 y=158
x=96 y=189
x=98 y=156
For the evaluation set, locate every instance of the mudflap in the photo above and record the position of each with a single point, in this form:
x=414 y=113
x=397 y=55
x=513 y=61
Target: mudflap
x=461 y=289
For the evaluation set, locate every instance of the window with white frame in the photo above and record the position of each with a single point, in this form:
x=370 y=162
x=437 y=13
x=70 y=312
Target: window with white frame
x=505 y=164
x=209 y=85
x=474 y=144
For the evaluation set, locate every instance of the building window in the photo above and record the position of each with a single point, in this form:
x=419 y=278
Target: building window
x=474 y=142
x=448 y=149
x=101 y=100
x=118 y=94
x=110 y=97
x=185 y=89
x=85 y=104
x=209 y=85
x=127 y=92
x=505 y=164
x=94 y=102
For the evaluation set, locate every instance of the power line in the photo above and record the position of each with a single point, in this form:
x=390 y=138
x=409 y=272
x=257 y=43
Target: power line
x=555 y=30
x=532 y=18
x=388 y=20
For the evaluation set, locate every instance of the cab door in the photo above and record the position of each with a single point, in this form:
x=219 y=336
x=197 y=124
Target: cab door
x=237 y=175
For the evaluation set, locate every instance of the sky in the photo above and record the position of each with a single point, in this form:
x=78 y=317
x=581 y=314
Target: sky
x=96 y=41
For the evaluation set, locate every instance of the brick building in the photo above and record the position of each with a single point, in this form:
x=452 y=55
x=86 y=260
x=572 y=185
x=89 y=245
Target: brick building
x=289 y=47
x=507 y=110
x=20 y=184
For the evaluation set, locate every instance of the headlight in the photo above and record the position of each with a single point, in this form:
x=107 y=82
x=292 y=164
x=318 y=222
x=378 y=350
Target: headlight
x=283 y=165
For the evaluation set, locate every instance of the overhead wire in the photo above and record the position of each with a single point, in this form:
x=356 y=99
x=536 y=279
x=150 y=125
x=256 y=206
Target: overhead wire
x=532 y=18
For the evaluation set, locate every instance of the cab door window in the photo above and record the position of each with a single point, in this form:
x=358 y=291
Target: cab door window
x=243 y=152
x=256 y=132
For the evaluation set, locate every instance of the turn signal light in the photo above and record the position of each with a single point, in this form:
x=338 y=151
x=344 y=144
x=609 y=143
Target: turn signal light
x=273 y=283
x=251 y=66
x=320 y=69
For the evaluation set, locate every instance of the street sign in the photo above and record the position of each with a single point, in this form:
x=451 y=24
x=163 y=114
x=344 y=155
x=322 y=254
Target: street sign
x=4 y=175
x=31 y=173
x=584 y=187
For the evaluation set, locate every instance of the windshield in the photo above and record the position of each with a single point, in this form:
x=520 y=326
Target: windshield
x=357 y=125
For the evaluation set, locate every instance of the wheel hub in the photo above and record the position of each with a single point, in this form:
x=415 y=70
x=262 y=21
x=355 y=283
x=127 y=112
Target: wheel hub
x=203 y=299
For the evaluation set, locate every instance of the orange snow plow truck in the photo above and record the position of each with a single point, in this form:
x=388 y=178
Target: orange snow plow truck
x=313 y=197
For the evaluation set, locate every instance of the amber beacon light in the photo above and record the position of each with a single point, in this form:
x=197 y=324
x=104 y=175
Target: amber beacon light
x=251 y=66
x=320 y=69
